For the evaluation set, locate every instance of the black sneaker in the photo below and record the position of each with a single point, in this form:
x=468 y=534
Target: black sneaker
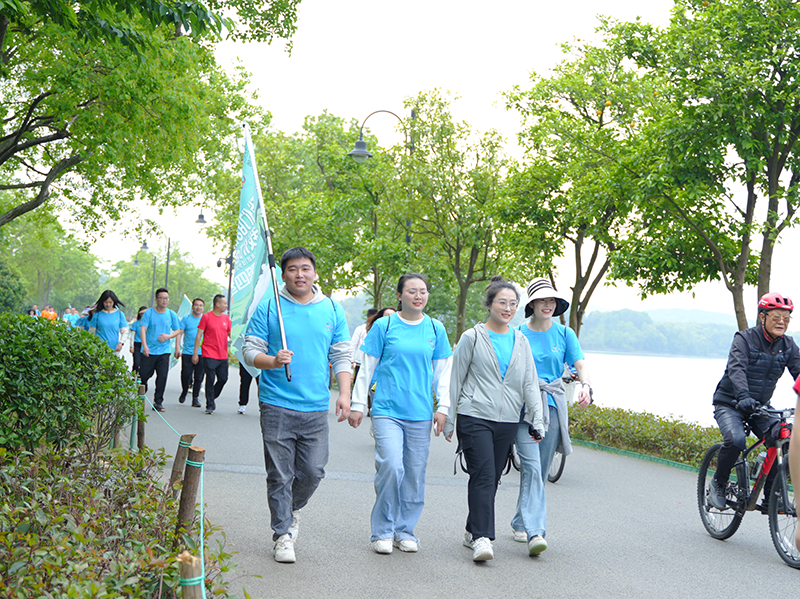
x=716 y=494
x=196 y=404
x=182 y=398
x=158 y=408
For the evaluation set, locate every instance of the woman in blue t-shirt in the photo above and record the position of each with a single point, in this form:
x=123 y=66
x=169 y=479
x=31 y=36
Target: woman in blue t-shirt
x=108 y=321
x=136 y=339
x=552 y=345
x=412 y=356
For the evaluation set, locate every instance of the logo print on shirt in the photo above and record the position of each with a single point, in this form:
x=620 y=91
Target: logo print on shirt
x=432 y=343
x=554 y=348
x=329 y=327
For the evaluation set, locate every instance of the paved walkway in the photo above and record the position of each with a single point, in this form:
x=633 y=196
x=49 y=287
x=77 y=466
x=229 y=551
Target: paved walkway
x=618 y=527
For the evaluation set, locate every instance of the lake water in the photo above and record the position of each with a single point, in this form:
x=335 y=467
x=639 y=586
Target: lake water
x=675 y=387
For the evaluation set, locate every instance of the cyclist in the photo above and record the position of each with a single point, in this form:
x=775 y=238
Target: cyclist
x=758 y=357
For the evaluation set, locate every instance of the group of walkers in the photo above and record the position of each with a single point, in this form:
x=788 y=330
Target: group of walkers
x=502 y=386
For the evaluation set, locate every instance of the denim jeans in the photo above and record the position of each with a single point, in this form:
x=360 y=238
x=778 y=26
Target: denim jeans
x=295 y=454
x=401 y=457
x=535 y=459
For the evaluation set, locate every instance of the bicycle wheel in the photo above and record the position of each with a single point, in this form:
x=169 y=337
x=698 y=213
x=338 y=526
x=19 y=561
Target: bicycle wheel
x=783 y=518
x=556 y=466
x=720 y=524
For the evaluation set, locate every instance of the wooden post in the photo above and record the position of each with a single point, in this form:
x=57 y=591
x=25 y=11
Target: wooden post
x=140 y=423
x=191 y=482
x=134 y=427
x=180 y=461
x=190 y=569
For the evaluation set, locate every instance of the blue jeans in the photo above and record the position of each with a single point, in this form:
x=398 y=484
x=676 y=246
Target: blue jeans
x=535 y=459
x=401 y=457
x=295 y=454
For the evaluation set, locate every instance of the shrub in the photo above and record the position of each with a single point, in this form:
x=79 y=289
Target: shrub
x=640 y=432
x=103 y=528
x=12 y=291
x=61 y=386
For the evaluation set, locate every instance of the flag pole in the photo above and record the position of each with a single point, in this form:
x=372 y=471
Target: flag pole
x=270 y=254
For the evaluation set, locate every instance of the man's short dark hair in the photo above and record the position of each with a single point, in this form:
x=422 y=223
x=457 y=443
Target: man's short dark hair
x=162 y=290
x=372 y=312
x=198 y=299
x=218 y=299
x=297 y=253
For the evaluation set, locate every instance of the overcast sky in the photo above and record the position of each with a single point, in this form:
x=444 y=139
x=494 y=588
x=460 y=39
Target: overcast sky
x=352 y=58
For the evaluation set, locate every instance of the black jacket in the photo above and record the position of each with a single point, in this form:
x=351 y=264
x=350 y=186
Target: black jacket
x=754 y=366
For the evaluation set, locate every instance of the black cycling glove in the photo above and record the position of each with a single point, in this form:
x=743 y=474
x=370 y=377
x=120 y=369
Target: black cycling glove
x=748 y=406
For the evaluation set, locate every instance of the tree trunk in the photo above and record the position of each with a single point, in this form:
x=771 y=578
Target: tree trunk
x=461 y=310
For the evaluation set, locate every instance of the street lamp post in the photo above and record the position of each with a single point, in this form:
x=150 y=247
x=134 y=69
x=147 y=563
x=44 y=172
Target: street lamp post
x=229 y=261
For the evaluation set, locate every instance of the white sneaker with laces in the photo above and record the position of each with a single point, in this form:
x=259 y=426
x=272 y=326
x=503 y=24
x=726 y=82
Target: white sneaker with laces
x=536 y=545
x=482 y=550
x=407 y=545
x=284 y=550
x=468 y=539
x=383 y=546
x=294 y=529
x=520 y=536
x=241 y=409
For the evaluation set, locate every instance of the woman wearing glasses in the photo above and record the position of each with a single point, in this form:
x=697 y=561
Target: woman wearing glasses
x=493 y=378
x=413 y=358
x=552 y=345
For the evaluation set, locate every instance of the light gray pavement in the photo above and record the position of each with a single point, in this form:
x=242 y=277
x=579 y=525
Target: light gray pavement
x=617 y=526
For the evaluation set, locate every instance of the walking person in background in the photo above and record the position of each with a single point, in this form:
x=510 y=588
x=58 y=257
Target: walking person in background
x=159 y=326
x=245 y=380
x=191 y=372
x=552 y=345
x=412 y=355
x=357 y=339
x=370 y=321
x=108 y=321
x=136 y=339
x=213 y=334
x=758 y=357
x=294 y=415
x=493 y=379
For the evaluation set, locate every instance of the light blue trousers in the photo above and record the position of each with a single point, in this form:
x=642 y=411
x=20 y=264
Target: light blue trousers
x=401 y=457
x=535 y=459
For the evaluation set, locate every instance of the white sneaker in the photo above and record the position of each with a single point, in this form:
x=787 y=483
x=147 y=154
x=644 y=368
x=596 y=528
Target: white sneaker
x=482 y=550
x=284 y=550
x=382 y=546
x=407 y=545
x=468 y=539
x=520 y=536
x=294 y=529
x=536 y=545
x=241 y=409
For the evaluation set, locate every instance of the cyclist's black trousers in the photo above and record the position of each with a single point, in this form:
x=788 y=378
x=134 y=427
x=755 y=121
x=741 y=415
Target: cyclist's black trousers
x=731 y=425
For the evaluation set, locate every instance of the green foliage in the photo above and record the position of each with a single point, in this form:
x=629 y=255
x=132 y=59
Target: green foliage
x=60 y=386
x=628 y=331
x=12 y=291
x=640 y=432
x=71 y=527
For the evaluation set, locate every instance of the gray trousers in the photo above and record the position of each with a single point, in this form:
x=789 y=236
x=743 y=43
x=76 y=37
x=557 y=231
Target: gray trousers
x=295 y=454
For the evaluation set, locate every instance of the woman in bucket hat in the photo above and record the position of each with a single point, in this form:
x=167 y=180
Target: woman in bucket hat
x=552 y=345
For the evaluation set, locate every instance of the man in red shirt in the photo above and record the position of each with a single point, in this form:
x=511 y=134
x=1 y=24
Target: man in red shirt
x=213 y=334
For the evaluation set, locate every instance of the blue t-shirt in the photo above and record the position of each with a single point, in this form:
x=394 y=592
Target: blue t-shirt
x=159 y=324
x=71 y=319
x=503 y=345
x=551 y=349
x=405 y=373
x=189 y=325
x=311 y=329
x=108 y=325
x=135 y=326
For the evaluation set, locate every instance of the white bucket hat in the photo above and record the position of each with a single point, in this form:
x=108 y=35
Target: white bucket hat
x=541 y=288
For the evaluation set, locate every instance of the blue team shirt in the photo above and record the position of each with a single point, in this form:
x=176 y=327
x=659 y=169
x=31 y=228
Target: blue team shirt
x=503 y=348
x=551 y=349
x=108 y=326
x=71 y=319
x=159 y=324
x=136 y=325
x=311 y=329
x=405 y=373
x=189 y=325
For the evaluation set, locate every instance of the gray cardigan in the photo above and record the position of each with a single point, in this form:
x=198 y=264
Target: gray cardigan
x=476 y=388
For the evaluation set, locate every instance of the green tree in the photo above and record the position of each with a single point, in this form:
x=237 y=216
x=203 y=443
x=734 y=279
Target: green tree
x=12 y=290
x=89 y=125
x=719 y=165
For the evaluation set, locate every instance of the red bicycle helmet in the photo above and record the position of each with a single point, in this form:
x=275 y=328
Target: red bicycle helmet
x=774 y=301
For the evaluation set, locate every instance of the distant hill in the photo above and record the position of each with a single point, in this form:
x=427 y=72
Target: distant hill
x=696 y=316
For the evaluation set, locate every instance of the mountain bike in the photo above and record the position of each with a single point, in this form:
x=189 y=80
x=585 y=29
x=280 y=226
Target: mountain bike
x=746 y=484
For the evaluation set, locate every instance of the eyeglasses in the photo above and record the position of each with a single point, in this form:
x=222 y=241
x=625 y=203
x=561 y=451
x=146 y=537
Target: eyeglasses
x=415 y=292
x=504 y=304
x=777 y=318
